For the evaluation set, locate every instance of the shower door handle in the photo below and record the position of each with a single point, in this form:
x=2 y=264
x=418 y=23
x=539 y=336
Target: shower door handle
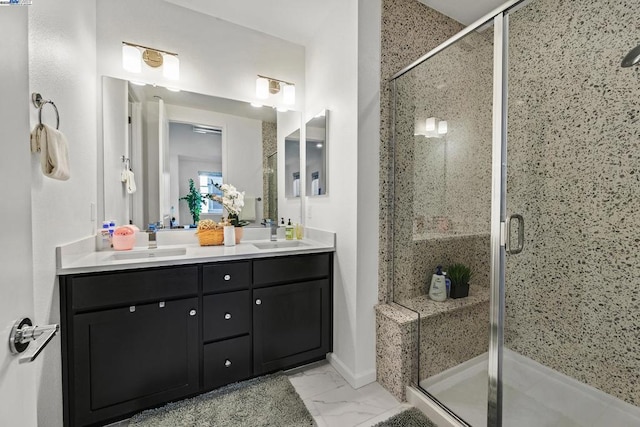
x=507 y=240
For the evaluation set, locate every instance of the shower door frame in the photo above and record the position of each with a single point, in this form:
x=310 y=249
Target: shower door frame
x=500 y=19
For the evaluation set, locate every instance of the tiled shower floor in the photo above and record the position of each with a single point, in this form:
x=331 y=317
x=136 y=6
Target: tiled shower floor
x=534 y=395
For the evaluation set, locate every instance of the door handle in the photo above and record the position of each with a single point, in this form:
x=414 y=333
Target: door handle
x=23 y=332
x=507 y=240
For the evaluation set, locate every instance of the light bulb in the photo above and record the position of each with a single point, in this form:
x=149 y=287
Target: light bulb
x=289 y=94
x=262 y=88
x=443 y=127
x=430 y=124
x=131 y=59
x=171 y=67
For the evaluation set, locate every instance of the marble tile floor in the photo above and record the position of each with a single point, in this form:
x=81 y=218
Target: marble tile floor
x=534 y=395
x=333 y=402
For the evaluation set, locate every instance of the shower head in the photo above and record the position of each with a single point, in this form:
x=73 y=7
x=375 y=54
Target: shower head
x=632 y=57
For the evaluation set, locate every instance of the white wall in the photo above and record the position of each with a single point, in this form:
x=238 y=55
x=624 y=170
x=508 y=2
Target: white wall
x=115 y=135
x=335 y=48
x=17 y=382
x=369 y=21
x=62 y=67
x=350 y=42
x=216 y=57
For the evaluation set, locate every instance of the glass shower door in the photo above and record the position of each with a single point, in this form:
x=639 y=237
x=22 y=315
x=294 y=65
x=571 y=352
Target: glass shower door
x=571 y=353
x=442 y=204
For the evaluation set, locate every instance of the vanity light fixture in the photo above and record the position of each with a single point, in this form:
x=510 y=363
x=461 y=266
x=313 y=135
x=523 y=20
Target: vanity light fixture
x=133 y=55
x=266 y=86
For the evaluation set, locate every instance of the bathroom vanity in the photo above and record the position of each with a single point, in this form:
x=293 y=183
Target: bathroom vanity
x=139 y=337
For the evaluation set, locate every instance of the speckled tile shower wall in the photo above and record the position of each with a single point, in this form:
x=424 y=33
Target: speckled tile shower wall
x=573 y=172
x=269 y=146
x=409 y=29
x=442 y=186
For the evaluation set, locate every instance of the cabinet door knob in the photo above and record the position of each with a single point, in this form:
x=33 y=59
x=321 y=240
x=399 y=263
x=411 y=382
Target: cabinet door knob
x=192 y=313
x=227 y=277
x=227 y=363
x=227 y=316
x=258 y=301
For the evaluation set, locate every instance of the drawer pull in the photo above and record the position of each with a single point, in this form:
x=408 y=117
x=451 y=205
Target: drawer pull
x=227 y=363
x=227 y=316
x=132 y=309
x=227 y=277
x=161 y=304
x=192 y=313
x=258 y=301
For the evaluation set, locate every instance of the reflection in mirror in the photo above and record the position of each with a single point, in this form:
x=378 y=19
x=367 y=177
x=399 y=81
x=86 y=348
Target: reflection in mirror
x=292 y=164
x=316 y=159
x=171 y=137
x=271 y=187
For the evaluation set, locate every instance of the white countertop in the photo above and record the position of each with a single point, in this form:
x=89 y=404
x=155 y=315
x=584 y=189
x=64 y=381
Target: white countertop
x=81 y=256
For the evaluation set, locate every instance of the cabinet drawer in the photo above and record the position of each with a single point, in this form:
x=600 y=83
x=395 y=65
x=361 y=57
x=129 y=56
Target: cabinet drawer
x=228 y=276
x=289 y=269
x=227 y=315
x=226 y=362
x=133 y=287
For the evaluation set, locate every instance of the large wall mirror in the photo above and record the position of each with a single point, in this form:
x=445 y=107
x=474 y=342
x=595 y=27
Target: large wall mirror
x=316 y=154
x=167 y=138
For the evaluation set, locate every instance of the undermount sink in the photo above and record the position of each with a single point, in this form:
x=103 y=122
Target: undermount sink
x=149 y=253
x=279 y=244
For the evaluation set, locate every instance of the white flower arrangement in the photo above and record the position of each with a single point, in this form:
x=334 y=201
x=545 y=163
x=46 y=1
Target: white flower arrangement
x=232 y=200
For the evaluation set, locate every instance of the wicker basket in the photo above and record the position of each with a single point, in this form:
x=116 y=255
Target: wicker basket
x=211 y=237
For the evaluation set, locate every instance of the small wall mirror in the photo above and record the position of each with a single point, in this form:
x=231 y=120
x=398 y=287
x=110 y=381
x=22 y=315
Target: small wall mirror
x=292 y=164
x=316 y=158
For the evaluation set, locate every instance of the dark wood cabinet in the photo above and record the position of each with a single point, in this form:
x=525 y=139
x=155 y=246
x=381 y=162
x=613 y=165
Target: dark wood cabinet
x=135 y=339
x=133 y=357
x=291 y=325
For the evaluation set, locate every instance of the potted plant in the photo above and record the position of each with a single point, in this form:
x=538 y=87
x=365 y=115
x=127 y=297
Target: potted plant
x=194 y=200
x=232 y=201
x=460 y=275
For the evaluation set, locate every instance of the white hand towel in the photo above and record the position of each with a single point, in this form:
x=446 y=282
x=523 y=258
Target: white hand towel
x=54 y=152
x=131 y=182
x=296 y=187
x=248 y=211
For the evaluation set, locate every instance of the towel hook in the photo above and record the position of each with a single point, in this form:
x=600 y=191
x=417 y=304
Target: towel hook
x=37 y=100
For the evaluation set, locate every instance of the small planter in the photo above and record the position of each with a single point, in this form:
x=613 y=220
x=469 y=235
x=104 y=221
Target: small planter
x=459 y=291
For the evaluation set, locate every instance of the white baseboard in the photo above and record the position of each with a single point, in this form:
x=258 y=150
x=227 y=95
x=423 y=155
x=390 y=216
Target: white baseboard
x=355 y=381
x=432 y=411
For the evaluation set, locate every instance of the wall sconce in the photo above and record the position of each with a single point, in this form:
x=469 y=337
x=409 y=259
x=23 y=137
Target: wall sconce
x=133 y=55
x=266 y=86
x=431 y=127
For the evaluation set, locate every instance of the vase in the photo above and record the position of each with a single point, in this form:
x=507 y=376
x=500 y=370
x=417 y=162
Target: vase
x=229 y=235
x=459 y=291
x=239 y=233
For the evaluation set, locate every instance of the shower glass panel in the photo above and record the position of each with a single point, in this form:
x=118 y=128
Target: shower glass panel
x=572 y=324
x=441 y=215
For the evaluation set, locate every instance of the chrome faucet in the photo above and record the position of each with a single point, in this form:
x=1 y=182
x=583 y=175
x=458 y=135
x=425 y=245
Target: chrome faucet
x=152 y=239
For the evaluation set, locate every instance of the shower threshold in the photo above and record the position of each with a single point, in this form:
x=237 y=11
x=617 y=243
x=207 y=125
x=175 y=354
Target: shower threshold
x=534 y=395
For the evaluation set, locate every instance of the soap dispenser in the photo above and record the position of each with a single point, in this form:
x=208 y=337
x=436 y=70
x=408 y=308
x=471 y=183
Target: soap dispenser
x=438 y=288
x=288 y=231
